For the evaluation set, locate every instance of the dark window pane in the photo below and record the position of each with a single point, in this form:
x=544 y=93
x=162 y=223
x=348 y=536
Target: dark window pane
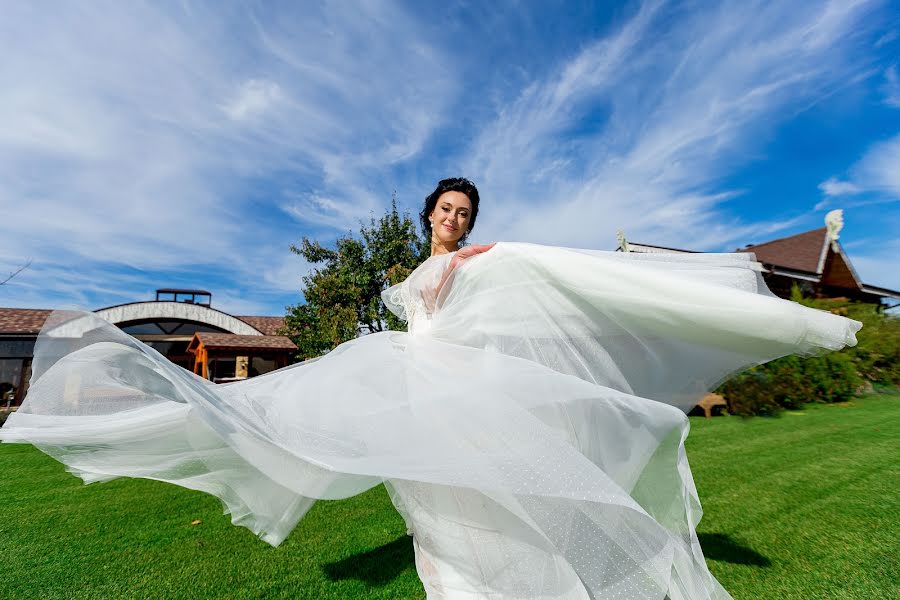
x=222 y=368
x=168 y=327
x=145 y=328
x=10 y=379
x=26 y=380
x=258 y=366
x=189 y=327
x=16 y=348
x=161 y=347
x=169 y=349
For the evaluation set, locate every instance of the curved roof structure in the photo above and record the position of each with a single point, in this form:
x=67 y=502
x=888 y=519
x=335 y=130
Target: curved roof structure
x=143 y=311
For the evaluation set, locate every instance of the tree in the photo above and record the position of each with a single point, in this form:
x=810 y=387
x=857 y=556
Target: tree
x=343 y=291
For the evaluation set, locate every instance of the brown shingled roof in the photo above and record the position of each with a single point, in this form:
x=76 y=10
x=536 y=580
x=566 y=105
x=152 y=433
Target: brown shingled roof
x=801 y=252
x=245 y=342
x=22 y=320
x=265 y=325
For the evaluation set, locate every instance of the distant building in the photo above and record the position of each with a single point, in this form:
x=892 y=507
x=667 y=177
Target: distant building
x=814 y=260
x=179 y=324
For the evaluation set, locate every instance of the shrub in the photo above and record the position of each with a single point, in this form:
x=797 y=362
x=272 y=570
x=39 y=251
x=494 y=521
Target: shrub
x=750 y=393
x=876 y=356
x=790 y=382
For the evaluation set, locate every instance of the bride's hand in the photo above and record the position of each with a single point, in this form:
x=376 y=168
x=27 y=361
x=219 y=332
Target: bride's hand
x=461 y=256
x=468 y=252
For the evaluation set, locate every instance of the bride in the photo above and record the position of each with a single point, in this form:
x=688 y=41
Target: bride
x=529 y=426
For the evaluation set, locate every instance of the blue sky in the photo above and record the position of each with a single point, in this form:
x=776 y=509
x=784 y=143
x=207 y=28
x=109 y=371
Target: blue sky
x=188 y=144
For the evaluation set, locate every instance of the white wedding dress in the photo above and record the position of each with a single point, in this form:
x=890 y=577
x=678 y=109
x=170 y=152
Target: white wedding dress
x=529 y=427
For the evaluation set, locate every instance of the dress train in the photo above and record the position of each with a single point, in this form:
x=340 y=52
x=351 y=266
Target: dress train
x=529 y=427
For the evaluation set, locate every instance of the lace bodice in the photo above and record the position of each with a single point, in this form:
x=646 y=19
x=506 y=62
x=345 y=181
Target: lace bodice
x=413 y=299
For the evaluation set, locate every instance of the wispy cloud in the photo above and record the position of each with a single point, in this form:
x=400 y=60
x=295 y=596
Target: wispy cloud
x=673 y=113
x=875 y=178
x=144 y=145
x=135 y=136
x=891 y=87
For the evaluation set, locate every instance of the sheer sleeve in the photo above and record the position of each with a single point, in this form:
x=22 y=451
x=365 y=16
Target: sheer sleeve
x=415 y=297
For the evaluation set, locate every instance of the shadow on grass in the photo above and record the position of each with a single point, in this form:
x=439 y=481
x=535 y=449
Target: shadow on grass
x=375 y=567
x=719 y=546
x=379 y=566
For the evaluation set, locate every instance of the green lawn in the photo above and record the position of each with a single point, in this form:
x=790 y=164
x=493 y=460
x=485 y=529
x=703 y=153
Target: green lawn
x=803 y=506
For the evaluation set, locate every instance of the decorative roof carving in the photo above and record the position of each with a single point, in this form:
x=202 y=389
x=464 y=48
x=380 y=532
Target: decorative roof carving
x=834 y=222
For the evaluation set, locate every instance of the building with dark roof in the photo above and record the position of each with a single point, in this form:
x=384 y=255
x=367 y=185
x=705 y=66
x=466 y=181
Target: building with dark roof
x=180 y=324
x=813 y=260
x=817 y=264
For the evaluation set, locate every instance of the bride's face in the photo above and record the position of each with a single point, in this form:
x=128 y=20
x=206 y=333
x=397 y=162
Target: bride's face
x=450 y=217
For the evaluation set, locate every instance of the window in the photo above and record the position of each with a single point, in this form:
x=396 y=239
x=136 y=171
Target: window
x=222 y=368
x=143 y=328
x=10 y=379
x=170 y=348
x=16 y=348
x=258 y=366
x=169 y=327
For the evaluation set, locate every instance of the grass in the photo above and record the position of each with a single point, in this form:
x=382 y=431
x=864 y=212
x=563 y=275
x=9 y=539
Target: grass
x=803 y=506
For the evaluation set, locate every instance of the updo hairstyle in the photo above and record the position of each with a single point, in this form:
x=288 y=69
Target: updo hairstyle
x=453 y=184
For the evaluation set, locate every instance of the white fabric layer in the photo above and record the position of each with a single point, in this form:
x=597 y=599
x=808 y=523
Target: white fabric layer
x=530 y=426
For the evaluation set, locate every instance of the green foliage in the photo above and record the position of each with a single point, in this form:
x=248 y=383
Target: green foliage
x=876 y=356
x=343 y=291
x=789 y=382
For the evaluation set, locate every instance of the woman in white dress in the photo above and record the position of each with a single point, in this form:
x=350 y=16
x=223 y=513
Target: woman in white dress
x=529 y=426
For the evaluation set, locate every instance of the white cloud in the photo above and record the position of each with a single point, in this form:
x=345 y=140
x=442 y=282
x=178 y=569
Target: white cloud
x=879 y=169
x=874 y=178
x=835 y=187
x=254 y=97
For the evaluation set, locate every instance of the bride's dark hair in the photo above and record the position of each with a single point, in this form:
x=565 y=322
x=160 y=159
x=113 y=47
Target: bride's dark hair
x=453 y=184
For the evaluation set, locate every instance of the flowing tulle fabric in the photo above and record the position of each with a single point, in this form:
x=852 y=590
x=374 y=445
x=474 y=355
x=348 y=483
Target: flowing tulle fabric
x=529 y=427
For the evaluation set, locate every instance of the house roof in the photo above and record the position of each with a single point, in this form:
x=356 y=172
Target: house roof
x=243 y=342
x=807 y=255
x=22 y=320
x=265 y=325
x=804 y=251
